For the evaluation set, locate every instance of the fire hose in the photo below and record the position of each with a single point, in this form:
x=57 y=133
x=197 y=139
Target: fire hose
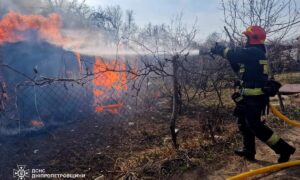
x=283 y=117
x=275 y=167
x=262 y=170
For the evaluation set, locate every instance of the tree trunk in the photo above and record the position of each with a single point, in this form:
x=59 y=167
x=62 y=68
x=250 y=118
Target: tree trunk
x=218 y=94
x=175 y=100
x=298 y=48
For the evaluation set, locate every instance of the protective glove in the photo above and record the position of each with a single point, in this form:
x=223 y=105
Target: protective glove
x=218 y=50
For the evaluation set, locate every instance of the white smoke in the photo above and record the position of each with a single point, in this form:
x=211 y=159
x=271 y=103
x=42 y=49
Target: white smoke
x=82 y=38
x=91 y=42
x=23 y=6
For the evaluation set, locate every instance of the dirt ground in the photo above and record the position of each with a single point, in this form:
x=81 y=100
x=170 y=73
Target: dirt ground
x=140 y=147
x=115 y=148
x=264 y=157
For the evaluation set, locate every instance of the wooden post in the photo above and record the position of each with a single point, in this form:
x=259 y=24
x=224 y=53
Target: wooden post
x=298 y=49
x=174 y=101
x=281 y=102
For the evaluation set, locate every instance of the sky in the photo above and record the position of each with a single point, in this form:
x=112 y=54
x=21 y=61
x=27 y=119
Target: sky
x=207 y=12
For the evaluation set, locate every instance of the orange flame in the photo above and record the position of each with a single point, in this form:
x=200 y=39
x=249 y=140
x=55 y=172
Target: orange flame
x=14 y=25
x=108 y=77
x=113 y=108
x=78 y=57
x=37 y=123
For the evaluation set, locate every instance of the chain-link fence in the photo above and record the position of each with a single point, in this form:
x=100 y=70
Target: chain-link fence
x=31 y=106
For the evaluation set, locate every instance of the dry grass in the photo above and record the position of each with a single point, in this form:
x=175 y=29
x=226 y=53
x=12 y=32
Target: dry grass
x=115 y=149
x=288 y=78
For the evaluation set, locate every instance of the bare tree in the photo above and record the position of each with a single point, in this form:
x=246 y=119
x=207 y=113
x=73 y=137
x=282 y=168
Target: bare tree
x=74 y=13
x=169 y=46
x=278 y=17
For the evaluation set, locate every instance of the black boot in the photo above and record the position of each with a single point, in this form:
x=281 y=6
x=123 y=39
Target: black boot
x=246 y=154
x=284 y=150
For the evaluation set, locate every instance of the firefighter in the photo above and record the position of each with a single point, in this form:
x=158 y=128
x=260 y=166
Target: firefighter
x=251 y=64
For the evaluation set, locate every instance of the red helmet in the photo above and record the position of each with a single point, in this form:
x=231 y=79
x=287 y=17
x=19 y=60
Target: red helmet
x=256 y=35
